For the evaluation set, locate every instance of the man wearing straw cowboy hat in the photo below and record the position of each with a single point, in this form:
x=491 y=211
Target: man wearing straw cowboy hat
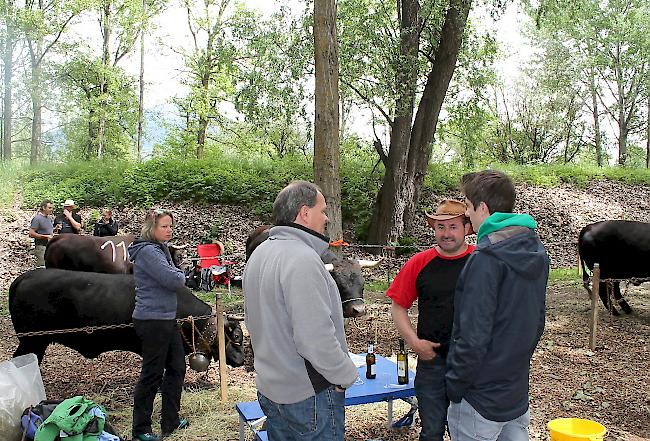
x=430 y=277
x=499 y=313
x=68 y=222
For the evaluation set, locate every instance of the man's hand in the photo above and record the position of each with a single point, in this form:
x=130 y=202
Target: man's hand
x=67 y=213
x=424 y=348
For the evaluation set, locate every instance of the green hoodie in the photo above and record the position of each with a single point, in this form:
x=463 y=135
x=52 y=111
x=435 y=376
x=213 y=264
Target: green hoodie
x=498 y=221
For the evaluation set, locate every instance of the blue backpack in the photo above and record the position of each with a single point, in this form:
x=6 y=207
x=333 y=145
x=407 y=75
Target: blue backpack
x=34 y=416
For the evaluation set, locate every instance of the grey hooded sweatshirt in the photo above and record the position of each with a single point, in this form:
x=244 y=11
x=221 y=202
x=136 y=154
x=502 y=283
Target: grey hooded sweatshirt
x=294 y=317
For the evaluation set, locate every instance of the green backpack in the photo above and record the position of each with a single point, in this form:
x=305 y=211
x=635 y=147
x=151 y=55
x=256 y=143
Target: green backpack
x=73 y=416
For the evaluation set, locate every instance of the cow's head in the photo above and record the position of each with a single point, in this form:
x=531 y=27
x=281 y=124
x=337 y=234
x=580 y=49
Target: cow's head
x=345 y=272
x=349 y=279
x=209 y=343
x=178 y=253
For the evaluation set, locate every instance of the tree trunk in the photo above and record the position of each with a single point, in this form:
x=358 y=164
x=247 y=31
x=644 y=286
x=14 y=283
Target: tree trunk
x=426 y=118
x=103 y=89
x=622 y=137
x=647 y=134
x=326 y=123
x=597 y=137
x=141 y=98
x=203 y=119
x=7 y=114
x=200 y=139
x=37 y=101
x=410 y=147
x=386 y=223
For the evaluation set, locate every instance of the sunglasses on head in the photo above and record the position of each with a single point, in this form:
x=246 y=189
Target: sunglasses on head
x=159 y=212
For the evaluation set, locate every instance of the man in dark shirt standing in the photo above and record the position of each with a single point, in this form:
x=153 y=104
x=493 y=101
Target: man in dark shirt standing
x=68 y=222
x=430 y=277
x=106 y=226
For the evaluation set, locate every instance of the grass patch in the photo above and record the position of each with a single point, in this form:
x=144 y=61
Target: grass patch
x=210 y=418
x=564 y=275
x=230 y=300
x=375 y=286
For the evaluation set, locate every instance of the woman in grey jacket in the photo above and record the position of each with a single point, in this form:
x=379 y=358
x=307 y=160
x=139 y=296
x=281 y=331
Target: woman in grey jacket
x=154 y=318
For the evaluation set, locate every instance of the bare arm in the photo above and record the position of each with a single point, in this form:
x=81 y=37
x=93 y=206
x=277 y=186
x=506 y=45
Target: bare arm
x=76 y=225
x=425 y=349
x=35 y=235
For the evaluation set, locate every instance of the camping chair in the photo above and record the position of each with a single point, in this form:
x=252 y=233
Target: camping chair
x=213 y=269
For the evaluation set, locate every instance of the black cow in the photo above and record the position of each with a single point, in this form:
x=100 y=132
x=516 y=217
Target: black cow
x=51 y=299
x=622 y=248
x=345 y=272
x=94 y=254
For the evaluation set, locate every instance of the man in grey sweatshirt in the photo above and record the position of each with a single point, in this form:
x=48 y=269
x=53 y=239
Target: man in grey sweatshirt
x=295 y=320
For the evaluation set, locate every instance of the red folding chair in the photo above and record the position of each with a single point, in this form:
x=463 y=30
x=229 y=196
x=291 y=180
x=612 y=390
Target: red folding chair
x=209 y=258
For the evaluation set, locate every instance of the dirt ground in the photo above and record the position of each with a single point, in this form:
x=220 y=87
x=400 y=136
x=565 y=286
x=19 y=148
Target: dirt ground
x=610 y=385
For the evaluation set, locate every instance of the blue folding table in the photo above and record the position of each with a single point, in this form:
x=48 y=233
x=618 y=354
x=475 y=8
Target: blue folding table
x=383 y=388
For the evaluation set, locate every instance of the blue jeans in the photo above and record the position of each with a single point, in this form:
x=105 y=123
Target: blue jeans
x=320 y=417
x=466 y=424
x=431 y=393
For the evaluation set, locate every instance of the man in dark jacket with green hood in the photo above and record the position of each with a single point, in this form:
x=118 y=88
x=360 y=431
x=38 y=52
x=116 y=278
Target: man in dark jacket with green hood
x=499 y=312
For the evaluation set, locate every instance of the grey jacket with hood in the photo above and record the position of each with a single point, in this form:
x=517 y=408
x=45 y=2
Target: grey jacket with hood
x=294 y=317
x=156 y=281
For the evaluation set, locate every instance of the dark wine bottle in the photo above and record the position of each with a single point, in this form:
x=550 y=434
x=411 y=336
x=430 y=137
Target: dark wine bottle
x=371 y=361
x=402 y=364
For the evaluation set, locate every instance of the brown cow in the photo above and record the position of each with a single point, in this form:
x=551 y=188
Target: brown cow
x=94 y=254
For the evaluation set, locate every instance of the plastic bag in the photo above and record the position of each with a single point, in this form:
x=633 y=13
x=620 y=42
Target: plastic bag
x=21 y=386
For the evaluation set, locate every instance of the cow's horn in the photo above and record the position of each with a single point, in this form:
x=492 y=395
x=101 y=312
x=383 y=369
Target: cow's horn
x=179 y=247
x=368 y=263
x=235 y=317
x=329 y=267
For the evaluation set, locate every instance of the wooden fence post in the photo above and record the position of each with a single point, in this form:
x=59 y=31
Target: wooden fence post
x=593 y=318
x=221 y=337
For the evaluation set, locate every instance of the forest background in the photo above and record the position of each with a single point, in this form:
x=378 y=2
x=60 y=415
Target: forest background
x=421 y=99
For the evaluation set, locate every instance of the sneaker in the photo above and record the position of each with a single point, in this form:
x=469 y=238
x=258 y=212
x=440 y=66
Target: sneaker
x=146 y=437
x=183 y=424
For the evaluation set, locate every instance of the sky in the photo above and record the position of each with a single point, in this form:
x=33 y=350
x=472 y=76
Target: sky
x=162 y=66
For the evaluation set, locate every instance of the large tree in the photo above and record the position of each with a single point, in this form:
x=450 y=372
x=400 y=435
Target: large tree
x=610 y=40
x=44 y=23
x=411 y=54
x=8 y=15
x=120 y=26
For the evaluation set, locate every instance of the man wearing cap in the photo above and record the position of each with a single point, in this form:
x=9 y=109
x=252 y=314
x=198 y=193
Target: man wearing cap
x=68 y=222
x=430 y=277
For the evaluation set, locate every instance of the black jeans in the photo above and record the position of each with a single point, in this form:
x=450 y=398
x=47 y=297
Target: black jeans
x=163 y=362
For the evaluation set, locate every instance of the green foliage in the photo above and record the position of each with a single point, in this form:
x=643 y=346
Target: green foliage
x=231 y=179
x=80 y=109
x=405 y=245
x=9 y=172
x=214 y=233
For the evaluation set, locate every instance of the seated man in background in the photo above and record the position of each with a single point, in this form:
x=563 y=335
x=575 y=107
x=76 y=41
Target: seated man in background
x=106 y=225
x=68 y=221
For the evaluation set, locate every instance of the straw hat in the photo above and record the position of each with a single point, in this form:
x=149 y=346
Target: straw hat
x=448 y=209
